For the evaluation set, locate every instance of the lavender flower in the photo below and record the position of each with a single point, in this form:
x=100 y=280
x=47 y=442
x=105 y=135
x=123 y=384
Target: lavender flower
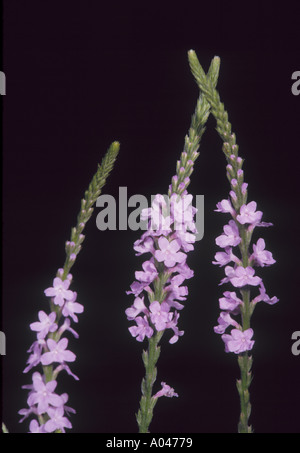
x=45 y=325
x=59 y=291
x=43 y=394
x=57 y=352
x=238 y=341
x=142 y=328
x=166 y=390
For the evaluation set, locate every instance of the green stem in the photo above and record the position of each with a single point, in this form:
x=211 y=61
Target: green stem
x=243 y=384
x=147 y=403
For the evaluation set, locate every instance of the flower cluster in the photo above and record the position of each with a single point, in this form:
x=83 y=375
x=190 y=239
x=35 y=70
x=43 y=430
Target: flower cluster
x=241 y=274
x=51 y=350
x=170 y=235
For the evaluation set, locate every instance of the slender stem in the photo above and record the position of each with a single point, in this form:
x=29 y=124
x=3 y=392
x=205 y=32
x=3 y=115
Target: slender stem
x=244 y=360
x=147 y=402
x=243 y=384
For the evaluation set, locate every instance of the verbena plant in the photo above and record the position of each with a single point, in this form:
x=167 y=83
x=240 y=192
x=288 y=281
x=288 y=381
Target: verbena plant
x=158 y=290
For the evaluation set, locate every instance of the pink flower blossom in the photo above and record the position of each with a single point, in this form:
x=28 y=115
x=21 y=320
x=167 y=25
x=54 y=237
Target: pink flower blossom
x=137 y=308
x=263 y=296
x=34 y=427
x=166 y=390
x=71 y=307
x=238 y=341
x=142 y=329
x=183 y=212
x=149 y=273
x=157 y=215
x=173 y=325
x=57 y=420
x=225 y=206
x=169 y=252
x=230 y=301
x=261 y=256
x=57 y=352
x=35 y=356
x=225 y=320
x=248 y=214
x=144 y=245
x=59 y=291
x=243 y=276
x=43 y=395
x=223 y=258
x=45 y=325
x=160 y=314
x=136 y=288
x=231 y=236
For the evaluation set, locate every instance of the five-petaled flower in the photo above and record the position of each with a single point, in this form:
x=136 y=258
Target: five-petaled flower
x=57 y=352
x=142 y=329
x=238 y=341
x=59 y=291
x=45 y=325
x=168 y=252
x=43 y=394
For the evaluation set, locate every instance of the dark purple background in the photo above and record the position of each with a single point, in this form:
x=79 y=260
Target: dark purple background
x=80 y=75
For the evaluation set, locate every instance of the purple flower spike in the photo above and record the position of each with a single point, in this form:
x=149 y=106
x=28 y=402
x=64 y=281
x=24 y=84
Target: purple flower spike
x=168 y=248
x=238 y=232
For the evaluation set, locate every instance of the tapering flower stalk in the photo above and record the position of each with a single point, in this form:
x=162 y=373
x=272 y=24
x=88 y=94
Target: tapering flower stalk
x=50 y=348
x=170 y=235
x=237 y=233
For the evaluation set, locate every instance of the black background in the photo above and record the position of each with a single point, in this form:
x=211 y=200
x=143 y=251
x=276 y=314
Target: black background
x=82 y=74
